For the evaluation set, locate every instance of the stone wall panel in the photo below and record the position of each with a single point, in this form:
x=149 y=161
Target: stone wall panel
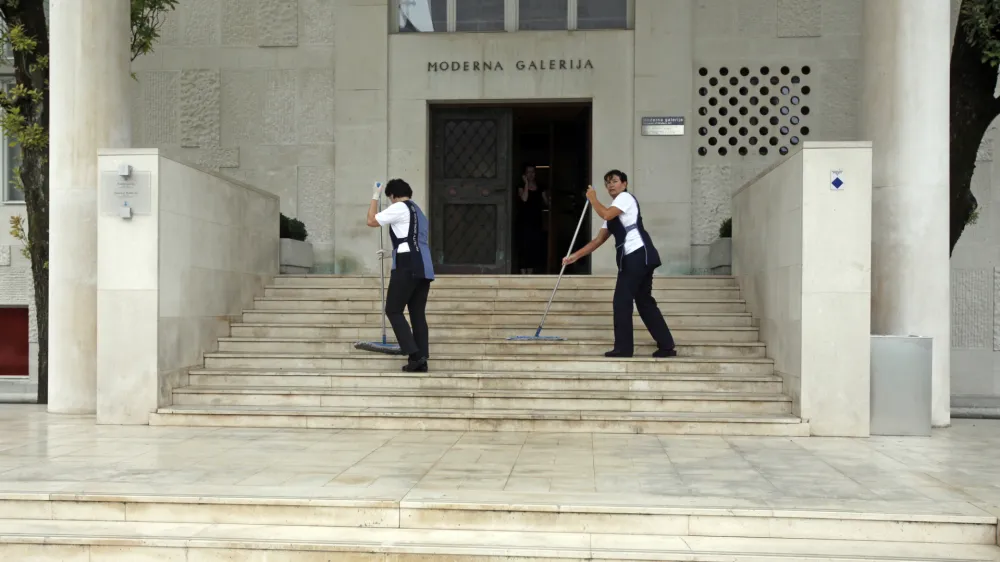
x=279 y=107
x=201 y=22
x=842 y=17
x=317 y=22
x=200 y=108
x=277 y=23
x=800 y=18
x=316 y=202
x=158 y=103
x=239 y=22
x=712 y=186
x=242 y=107
x=315 y=106
x=4 y=256
x=971 y=308
x=756 y=18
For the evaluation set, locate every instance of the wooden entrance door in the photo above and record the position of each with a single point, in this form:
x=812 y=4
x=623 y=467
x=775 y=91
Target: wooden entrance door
x=470 y=190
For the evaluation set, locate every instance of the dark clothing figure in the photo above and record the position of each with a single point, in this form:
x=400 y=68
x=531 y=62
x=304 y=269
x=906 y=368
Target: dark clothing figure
x=532 y=244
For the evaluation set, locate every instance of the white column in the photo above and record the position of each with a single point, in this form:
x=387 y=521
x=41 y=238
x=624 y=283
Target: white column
x=89 y=96
x=905 y=113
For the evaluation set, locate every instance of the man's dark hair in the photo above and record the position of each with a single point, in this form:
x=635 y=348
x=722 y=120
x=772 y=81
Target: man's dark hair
x=397 y=188
x=621 y=175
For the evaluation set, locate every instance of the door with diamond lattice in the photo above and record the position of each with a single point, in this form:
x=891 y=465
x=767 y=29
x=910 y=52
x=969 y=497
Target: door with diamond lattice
x=470 y=190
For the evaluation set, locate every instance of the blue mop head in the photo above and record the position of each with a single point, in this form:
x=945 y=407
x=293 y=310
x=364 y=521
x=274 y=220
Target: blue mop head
x=379 y=347
x=536 y=338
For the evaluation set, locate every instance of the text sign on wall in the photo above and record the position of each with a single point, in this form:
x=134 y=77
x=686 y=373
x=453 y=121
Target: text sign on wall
x=135 y=191
x=662 y=126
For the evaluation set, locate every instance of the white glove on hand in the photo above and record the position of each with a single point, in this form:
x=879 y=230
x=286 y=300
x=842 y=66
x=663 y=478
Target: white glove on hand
x=376 y=191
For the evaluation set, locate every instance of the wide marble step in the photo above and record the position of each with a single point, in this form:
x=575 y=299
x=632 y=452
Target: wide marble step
x=526 y=319
x=507 y=281
x=373 y=331
x=492 y=363
x=453 y=419
x=574 y=348
x=455 y=293
x=602 y=306
x=645 y=402
x=397 y=380
x=86 y=541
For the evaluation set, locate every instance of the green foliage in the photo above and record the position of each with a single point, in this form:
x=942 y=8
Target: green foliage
x=981 y=22
x=146 y=23
x=293 y=229
x=726 y=228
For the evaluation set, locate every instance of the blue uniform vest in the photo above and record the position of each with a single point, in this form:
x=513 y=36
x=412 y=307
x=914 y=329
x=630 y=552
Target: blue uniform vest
x=620 y=231
x=416 y=238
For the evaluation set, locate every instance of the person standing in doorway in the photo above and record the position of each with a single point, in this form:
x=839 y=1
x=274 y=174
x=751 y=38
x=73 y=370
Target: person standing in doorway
x=637 y=258
x=531 y=241
x=412 y=271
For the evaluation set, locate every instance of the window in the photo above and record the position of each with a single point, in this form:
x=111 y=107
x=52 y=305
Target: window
x=480 y=15
x=509 y=15
x=542 y=14
x=423 y=15
x=11 y=159
x=602 y=14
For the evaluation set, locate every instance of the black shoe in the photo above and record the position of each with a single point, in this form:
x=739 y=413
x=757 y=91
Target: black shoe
x=662 y=353
x=416 y=366
x=616 y=353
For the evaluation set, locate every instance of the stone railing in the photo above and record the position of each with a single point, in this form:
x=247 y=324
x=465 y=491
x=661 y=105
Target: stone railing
x=802 y=254
x=193 y=253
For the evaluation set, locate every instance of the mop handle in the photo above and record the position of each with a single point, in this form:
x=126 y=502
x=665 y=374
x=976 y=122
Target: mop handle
x=381 y=269
x=579 y=223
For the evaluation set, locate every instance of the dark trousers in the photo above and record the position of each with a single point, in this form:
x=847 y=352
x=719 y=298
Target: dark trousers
x=635 y=284
x=408 y=290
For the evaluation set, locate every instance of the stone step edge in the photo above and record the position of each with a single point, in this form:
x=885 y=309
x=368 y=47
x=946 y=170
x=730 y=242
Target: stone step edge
x=659 y=377
x=499 y=394
x=490 y=326
x=543 y=300
x=479 y=414
x=488 y=341
x=473 y=313
x=468 y=545
x=476 y=357
x=473 y=276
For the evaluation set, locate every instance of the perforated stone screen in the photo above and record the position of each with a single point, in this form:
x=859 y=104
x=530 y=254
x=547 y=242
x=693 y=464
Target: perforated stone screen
x=752 y=110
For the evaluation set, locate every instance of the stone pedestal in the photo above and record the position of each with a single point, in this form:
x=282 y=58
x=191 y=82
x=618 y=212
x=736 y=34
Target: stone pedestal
x=905 y=112
x=720 y=257
x=89 y=85
x=296 y=256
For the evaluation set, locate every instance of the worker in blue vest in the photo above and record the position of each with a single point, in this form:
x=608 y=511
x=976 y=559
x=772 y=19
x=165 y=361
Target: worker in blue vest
x=412 y=272
x=636 y=258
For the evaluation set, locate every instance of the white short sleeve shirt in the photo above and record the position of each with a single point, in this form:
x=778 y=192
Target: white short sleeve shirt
x=629 y=216
x=397 y=216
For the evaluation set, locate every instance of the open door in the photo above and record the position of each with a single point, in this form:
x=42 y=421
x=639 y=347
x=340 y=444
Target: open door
x=470 y=190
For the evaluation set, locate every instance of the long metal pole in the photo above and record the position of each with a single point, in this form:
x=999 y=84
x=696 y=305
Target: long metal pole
x=586 y=205
x=381 y=272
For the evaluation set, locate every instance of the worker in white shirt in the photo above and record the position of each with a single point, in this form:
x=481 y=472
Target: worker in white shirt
x=412 y=271
x=636 y=258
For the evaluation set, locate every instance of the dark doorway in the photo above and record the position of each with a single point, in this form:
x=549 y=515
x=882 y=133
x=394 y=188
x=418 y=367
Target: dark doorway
x=14 y=342
x=478 y=157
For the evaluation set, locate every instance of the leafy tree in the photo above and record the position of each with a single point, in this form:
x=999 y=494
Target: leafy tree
x=25 y=120
x=975 y=58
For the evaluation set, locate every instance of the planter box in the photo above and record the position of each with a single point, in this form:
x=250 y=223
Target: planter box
x=901 y=385
x=720 y=256
x=295 y=256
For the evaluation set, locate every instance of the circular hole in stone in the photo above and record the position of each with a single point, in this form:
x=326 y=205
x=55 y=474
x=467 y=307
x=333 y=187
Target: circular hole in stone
x=743 y=151
x=794 y=140
x=754 y=120
x=765 y=91
x=744 y=71
x=724 y=91
x=744 y=91
x=774 y=100
x=722 y=151
x=774 y=120
x=765 y=70
x=743 y=131
x=773 y=141
x=733 y=121
x=703 y=91
x=785 y=90
x=806 y=70
x=734 y=100
x=723 y=111
x=785 y=110
x=754 y=100
x=713 y=81
x=724 y=71
x=744 y=110
x=753 y=141
x=763 y=131
x=764 y=110
x=713 y=102
x=763 y=151
x=703 y=71
x=783 y=150
x=713 y=141
x=734 y=81
x=723 y=131
x=796 y=79
x=794 y=119
x=732 y=141
x=702 y=151
x=785 y=70
x=774 y=80
x=795 y=100
x=805 y=110
x=702 y=110
x=703 y=131
x=806 y=90
x=754 y=81
x=713 y=121
x=784 y=130
x=805 y=130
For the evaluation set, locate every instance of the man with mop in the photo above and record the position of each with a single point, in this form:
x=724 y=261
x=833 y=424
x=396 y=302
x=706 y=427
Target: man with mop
x=636 y=258
x=412 y=271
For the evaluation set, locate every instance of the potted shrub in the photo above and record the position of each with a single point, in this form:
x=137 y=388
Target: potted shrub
x=296 y=255
x=720 y=253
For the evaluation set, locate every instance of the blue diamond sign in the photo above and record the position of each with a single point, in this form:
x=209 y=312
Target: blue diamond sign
x=837 y=180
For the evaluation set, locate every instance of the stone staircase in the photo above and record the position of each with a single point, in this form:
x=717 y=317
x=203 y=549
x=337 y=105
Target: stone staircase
x=291 y=362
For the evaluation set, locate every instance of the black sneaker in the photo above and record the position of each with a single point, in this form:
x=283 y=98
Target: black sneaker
x=616 y=353
x=663 y=353
x=416 y=366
